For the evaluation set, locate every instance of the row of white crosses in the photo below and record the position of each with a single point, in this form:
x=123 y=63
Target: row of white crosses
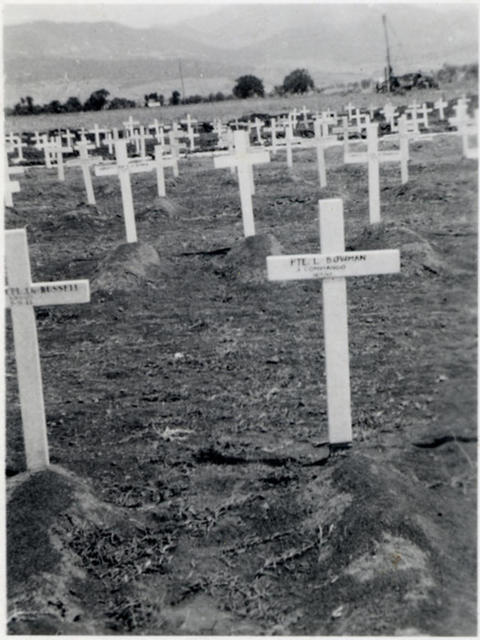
x=333 y=265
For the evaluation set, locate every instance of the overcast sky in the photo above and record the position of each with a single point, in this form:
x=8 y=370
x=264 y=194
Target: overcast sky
x=133 y=15
x=151 y=14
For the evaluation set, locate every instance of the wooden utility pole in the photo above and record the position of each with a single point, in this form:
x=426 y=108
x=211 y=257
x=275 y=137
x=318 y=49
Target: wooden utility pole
x=389 y=66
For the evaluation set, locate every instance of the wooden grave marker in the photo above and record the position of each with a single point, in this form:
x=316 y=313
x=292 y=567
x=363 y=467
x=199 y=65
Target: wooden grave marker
x=373 y=157
x=21 y=296
x=440 y=105
x=161 y=162
x=333 y=265
x=10 y=186
x=123 y=168
x=84 y=162
x=243 y=160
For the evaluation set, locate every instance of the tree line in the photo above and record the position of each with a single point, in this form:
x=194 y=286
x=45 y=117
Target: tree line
x=298 y=81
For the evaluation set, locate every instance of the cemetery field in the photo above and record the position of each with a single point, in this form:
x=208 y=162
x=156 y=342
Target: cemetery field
x=227 y=109
x=187 y=405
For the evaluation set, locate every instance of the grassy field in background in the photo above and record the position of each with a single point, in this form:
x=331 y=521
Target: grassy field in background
x=225 y=110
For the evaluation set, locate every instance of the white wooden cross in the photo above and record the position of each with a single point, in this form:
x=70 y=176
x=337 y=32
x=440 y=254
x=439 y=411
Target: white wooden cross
x=359 y=120
x=96 y=132
x=130 y=126
x=110 y=139
x=272 y=129
x=373 y=157
x=14 y=143
x=161 y=162
x=244 y=160
x=440 y=105
x=304 y=113
x=466 y=127
x=10 y=186
x=54 y=149
x=46 y=145
x=84 y=162
x=321 y=142
x=333 y=265
x=69 y=137
x=155 y=126
x=123 y=169
x=371 y=111
x=257 y=125
x=38 y=139
x=349 y=107
x=21 y=297
x=84 y=142
x=390 y=114
x=424 y=111
x=139 y=138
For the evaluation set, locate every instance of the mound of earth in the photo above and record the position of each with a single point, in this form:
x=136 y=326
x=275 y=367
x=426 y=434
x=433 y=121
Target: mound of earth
x=416 y=254
x=84 y=214
x=357 y=531
x=246 y=261
x=128 y=267
x=48 y=589
x=162 y=206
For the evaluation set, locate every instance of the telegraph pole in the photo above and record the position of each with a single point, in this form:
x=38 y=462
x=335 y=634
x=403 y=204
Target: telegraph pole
x=389 y=68
x=181 y=78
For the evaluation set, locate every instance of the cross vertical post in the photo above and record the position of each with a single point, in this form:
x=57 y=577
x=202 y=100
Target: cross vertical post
x=335 y=323
x=373 y=173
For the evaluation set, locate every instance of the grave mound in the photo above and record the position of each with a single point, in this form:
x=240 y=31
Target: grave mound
x=246 y=261
x=163 y=206
x=417 y=255
x=49 y=590
x=83 y=214
x=128 y=267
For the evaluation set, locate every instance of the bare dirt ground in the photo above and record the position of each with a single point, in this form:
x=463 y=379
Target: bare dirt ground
x=192 y=491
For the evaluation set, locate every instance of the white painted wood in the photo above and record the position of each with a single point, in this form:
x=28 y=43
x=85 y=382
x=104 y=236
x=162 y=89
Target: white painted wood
x=333 y=264
x=244 y=159
x=288 y=142
x=349 y=108
x=21 y=297
x=123 y=169
x=316 y=266
x=10 y=186
x=373 y=173
x=404 y=148
x=84 y=163
x=440 y=105
x=130 y=125
x=126 y=189
x=161 y=162
x=59 y=157
x=320 y=151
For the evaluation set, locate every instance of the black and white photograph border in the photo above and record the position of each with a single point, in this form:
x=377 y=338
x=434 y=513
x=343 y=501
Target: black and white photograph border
x=240 y=265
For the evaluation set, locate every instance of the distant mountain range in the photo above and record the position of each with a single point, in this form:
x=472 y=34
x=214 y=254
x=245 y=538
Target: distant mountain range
x=335 y=42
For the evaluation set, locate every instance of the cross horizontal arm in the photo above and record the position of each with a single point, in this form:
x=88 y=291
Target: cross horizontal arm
x=42 y=294
x=351 y=263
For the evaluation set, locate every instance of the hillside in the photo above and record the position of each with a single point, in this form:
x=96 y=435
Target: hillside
x=331 y=41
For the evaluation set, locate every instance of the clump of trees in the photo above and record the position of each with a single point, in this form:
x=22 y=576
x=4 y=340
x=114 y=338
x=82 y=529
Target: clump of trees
x=298 y=81
x=248 y=86
x=97 y=101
